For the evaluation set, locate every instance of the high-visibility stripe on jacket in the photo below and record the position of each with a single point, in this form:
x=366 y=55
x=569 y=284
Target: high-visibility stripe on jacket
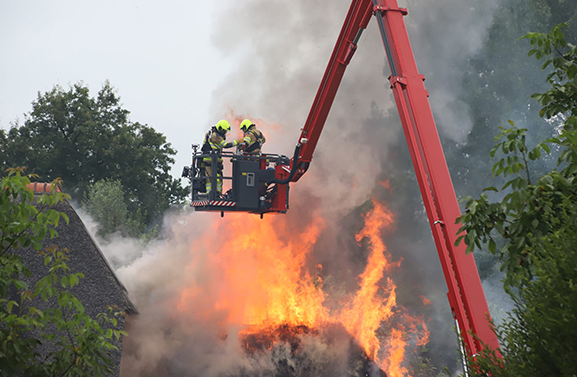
x=254 y=140
x=217 y=143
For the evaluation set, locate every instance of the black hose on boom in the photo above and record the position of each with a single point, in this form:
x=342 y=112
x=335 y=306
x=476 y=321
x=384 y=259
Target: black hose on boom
x=293 y=168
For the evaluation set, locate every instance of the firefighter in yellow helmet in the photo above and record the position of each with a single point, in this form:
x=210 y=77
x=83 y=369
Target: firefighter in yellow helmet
x=215 y=141
x=253 y=139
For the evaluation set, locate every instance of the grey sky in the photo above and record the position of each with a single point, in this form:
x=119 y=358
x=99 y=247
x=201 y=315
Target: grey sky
x=157 y=54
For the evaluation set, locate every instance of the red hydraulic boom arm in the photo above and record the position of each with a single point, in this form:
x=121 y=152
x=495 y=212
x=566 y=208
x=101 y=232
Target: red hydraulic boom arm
x=357 y=19
x=466 y=296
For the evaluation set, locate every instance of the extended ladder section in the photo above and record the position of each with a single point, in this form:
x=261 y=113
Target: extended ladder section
x=466 y=295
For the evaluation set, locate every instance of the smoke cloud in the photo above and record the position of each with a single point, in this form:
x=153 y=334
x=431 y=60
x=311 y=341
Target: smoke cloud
x=445 y=35
x=281 y=50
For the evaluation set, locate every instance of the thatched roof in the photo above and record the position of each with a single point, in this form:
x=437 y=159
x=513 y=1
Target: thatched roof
x=100 y=286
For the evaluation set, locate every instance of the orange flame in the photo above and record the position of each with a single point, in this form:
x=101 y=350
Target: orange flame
x=259 y=278
x=386 y=183
x=278 y=290
x=368 y=309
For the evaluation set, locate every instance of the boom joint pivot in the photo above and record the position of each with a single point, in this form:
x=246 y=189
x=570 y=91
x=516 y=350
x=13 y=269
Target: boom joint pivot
x=383 y=9
x=397 y=80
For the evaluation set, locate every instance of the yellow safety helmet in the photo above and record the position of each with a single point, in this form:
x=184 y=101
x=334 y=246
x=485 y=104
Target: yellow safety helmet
x=245 y=124
x=222 y=126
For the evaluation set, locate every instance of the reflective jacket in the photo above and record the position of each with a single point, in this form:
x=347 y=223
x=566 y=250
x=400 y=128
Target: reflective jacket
x=215 y=141
x=254 y=140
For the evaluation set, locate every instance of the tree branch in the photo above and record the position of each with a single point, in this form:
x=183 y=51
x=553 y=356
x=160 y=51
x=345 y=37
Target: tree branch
x=526 y=166
x=22 y=232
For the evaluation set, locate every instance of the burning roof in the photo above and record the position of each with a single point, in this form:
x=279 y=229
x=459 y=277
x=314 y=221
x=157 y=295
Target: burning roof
x=253 y=302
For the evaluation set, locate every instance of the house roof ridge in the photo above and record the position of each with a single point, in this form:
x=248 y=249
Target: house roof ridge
x=42 y=187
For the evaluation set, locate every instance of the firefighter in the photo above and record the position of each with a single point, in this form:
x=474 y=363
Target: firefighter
x=215 y=141
x=253 y=139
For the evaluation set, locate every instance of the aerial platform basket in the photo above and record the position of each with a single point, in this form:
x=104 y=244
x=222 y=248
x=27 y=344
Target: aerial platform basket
x=256 y=182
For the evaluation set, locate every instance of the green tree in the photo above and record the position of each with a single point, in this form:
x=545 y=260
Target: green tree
x=532 y=229
x=105 y=202
x=82 y=139
x=60 y=339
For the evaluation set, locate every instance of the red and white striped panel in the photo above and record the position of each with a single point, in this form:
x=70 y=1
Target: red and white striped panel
x=222 y=203
x=219 y=203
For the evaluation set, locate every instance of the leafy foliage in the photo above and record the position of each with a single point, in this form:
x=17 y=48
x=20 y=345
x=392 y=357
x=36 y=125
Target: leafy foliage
x=540 y=338
x=562 y=96
x=524 y=216
x=534 y=225
x=82 y=139
x=106 y=204
x=61 y=339
x=497 y=83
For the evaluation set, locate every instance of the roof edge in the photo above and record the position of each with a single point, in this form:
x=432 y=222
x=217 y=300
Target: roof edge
x=42 y=187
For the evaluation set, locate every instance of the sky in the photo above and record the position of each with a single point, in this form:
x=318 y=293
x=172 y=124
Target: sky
x=158 y=55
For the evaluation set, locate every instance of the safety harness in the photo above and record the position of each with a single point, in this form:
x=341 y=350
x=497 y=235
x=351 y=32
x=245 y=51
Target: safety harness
x=260 y=140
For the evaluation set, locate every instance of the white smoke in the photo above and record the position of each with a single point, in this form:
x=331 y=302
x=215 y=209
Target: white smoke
x=445 y=34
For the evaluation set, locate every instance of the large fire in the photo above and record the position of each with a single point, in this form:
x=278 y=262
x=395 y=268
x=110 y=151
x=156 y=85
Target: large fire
x=264 y=281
